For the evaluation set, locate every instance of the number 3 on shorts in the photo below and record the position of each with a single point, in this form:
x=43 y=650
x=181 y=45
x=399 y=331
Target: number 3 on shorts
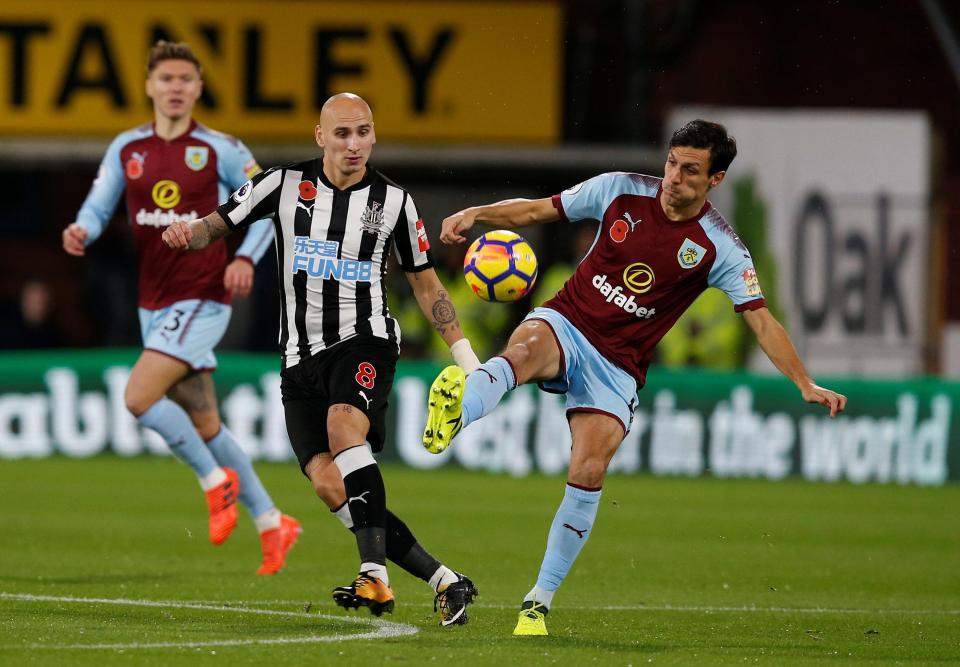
x=366 y=374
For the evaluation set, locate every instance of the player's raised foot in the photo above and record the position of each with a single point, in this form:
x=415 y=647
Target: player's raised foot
x=444 y=414
x=453 y=599
x=532 y=621
x=222 y=506
x=365 y=591
x=275 y=544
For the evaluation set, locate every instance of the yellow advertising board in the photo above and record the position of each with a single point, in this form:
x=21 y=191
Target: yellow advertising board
x=432 y=71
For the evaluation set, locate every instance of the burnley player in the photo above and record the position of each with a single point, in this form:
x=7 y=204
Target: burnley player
x=172 y=169
x=659 y=246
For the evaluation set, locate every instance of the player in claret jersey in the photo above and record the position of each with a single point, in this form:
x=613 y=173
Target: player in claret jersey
x=659 y=245
x=172 y=169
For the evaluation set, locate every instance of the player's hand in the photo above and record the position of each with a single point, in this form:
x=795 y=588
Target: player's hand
x=238 y=278
x=829 y=399
x=455 y=225
x=74 y=240
x=177 y=236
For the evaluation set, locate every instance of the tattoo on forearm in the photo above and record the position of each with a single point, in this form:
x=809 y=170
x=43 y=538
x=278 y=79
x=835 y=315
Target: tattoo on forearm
x=443 y=310
x=444 y=314
x=211 y=228
x=206 y=228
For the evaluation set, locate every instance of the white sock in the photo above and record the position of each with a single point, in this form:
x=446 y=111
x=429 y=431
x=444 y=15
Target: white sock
x=540 y=595
x=344 y=515
x=376 y=570
x=443 y=577
x=269 y=520
x=211 y=481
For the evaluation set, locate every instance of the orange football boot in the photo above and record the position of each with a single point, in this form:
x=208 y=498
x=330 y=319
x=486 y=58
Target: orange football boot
x=365 y=591
x=275 y=544
x=222 y=505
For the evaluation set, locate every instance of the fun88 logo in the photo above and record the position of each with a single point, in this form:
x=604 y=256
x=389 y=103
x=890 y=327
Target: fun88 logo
x=319 y=260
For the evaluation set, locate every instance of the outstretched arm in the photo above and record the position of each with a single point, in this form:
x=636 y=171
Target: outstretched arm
x=507 y=214
x=779 y=348
x=434 y=301
x=196 y=234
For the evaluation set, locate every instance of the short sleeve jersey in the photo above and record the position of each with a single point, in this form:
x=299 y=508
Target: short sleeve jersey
x=166 y=182
x=644 y=270
x=332 y=249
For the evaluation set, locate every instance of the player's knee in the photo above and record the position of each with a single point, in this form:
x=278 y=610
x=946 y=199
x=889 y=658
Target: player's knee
x=589 y=473
x=519 y=355
x=326 y=481
x=518 y=352
x=137 y=403
x=532 y=352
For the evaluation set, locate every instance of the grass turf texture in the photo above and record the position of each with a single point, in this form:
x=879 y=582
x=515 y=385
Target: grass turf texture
x=678 y=571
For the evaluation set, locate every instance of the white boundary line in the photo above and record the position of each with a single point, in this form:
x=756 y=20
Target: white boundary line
x=680 y=608
x=381 y=629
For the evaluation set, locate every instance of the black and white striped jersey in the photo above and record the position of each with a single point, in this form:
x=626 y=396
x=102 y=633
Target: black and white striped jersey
x=332 y=248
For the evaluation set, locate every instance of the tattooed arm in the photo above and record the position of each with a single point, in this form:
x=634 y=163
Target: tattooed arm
x=436 y=305
x=196 y=234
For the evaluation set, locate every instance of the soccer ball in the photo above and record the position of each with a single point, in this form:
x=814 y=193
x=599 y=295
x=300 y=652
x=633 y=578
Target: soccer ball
x=500 y=266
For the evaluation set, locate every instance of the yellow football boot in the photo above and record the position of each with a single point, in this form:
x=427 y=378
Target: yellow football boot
x=532 y=620
x=444 y=409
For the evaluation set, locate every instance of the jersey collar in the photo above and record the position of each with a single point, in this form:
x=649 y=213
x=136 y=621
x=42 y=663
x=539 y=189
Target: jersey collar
x=662 y=217
x=359 y=185
x=186 y=135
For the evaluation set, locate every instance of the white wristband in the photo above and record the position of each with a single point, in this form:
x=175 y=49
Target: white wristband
x=464 y=356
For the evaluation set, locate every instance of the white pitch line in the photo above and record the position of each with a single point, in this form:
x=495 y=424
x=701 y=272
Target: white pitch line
x=381 y=628
x=682 y=608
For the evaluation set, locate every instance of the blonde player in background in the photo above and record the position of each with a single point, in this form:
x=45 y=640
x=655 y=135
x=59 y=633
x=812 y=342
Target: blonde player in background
x=170 y=169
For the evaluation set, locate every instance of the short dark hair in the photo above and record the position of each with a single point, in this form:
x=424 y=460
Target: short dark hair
x=164 y=50
x=701 y=133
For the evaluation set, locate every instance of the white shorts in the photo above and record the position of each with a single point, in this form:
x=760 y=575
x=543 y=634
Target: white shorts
x=186 y=330
x=590 y=381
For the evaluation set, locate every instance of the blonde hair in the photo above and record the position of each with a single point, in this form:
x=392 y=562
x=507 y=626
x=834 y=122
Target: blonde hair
x=164 y=50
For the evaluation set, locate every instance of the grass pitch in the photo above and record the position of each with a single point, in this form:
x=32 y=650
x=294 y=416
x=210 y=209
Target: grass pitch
x=105 y=561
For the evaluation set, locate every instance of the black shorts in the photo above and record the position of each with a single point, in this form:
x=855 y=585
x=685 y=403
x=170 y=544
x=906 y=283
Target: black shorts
x=359 y=372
